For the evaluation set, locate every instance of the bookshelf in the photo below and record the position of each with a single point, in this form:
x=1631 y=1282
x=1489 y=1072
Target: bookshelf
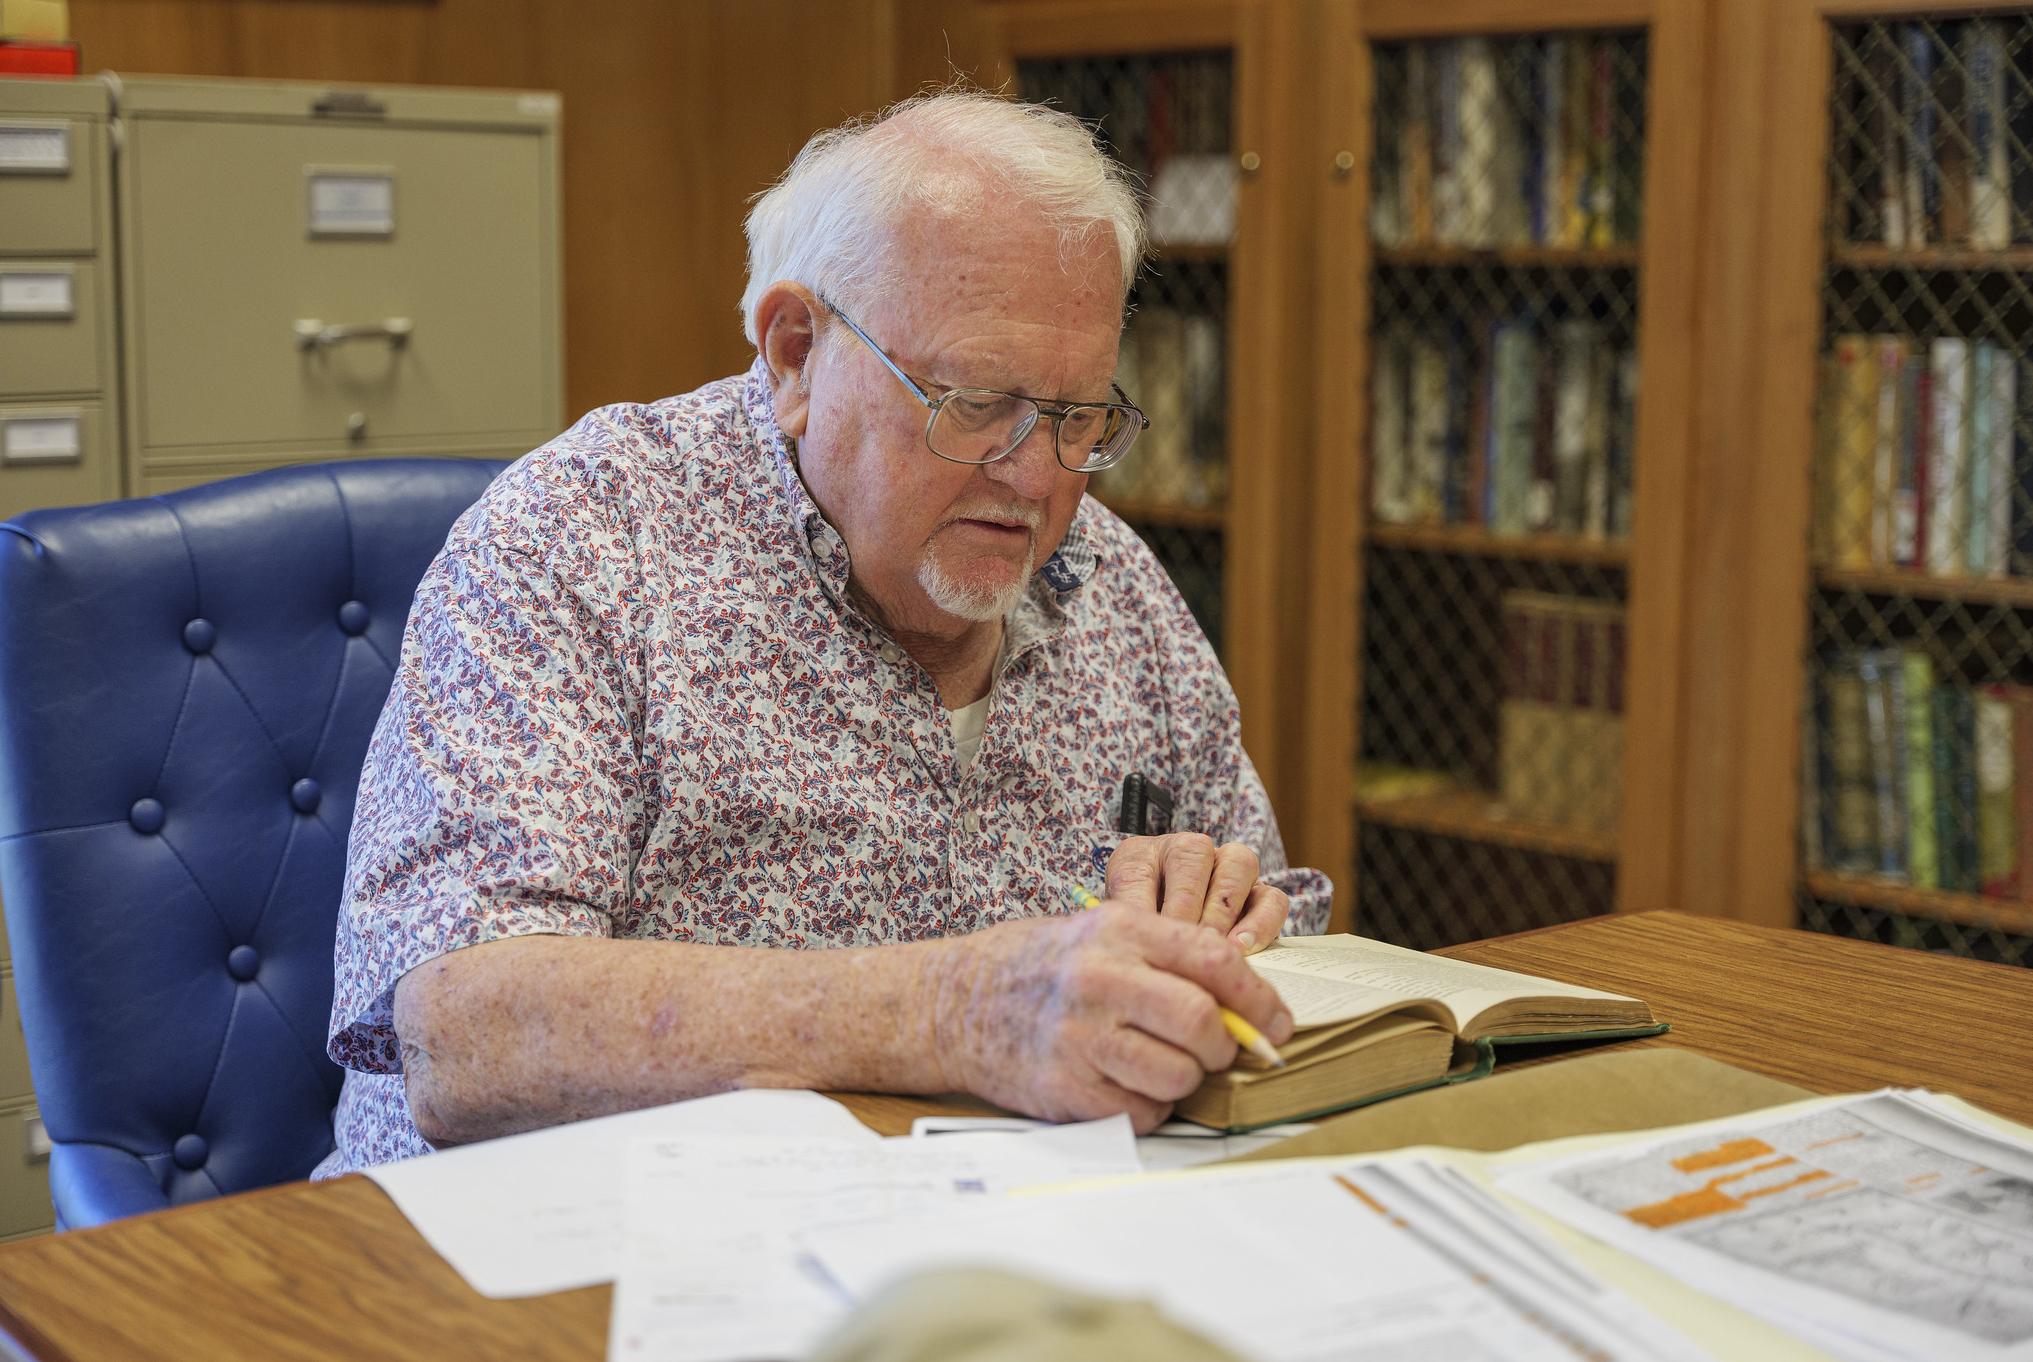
x=1873 y=585
x=1193 y=96
x=1916 y=708
x=1504 y=378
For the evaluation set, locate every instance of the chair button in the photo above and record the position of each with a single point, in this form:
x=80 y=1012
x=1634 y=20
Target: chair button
x=305 y=795
x=190 y=1152
x=146 y=815
x=243 y=962
x=353 y=617
x=199 y=636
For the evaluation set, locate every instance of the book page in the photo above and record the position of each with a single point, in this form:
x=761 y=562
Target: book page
x=1326 y=979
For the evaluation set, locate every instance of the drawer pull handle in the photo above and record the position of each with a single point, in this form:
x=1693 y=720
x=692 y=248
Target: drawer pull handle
x=312 y=334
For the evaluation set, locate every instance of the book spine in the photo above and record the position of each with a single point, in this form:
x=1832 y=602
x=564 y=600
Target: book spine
x=1850 y=800
x=1577 y=347
x=1996 y=508
x=1922 y=418
x=1454 y=468
x=1891 y=372
x=1547 y=219
x=1389 y=499
x=1968 y=867
x=1855 y=450
x=1429 y=428
x=1948 y=457
x=1884 y=737
x=1906 y=430
x=1997 y=846
x=1477 y=117
x=1951 y=133
x=1601 y=151
x=1990 y=175
x=2022 y=469
x=1418 y=152
x=1983 y=367
x=1515 y=420
x=1539 y=505
x=1916 y=100
x=1574 y=135
x=2022 y=792
x=1922 y=856
x=1624 y=444
x=1447 y=149
x=1948 y=839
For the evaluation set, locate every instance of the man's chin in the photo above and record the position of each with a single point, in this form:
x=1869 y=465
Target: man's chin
x=983 y=591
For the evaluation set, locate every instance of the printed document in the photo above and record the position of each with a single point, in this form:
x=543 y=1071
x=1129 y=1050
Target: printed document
x=714 y=1266
x=1886 y=1226
x=543 y=1211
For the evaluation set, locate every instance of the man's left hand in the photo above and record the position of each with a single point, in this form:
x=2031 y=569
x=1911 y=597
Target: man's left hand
x=1185 y=875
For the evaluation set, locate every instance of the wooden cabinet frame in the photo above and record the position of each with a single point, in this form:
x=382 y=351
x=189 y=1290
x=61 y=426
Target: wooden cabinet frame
x=1648 y=841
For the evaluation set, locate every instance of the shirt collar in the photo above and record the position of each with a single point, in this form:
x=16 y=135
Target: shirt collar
x=825 y=550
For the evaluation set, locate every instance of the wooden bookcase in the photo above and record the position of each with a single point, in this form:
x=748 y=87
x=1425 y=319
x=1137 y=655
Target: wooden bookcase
x=1406 y=632
x=1887 y=95
x=1192 y=95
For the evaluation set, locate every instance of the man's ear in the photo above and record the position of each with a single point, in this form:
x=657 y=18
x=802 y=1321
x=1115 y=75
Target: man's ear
x=786 y=324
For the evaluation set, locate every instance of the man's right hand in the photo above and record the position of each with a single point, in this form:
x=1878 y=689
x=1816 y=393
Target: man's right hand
x=1112 y=1010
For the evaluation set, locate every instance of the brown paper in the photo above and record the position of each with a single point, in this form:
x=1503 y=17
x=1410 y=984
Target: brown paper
x=1579 y=1095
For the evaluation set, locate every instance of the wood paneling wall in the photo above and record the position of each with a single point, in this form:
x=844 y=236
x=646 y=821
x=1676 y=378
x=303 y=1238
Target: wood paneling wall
x=675 y=112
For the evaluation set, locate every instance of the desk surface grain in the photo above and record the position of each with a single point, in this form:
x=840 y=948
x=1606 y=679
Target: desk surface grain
x=307 y=1271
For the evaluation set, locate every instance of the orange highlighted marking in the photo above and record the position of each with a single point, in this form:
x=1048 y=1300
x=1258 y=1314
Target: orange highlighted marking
x=1731 y=1151
x=1815 y=1176
x=1832 y=1189
x=1838 y=1139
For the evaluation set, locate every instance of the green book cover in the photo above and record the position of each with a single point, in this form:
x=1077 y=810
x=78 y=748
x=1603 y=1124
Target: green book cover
x=1947 y=839
x=1923 y=859
x=1997 y=839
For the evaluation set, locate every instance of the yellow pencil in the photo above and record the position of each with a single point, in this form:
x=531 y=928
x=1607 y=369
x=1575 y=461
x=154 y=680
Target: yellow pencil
x=1247 y=1036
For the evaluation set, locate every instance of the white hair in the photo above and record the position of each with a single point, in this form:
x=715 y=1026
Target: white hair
x=824 y=223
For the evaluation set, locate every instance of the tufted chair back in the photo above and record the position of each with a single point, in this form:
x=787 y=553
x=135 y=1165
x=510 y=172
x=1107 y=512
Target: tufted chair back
x=187 y=687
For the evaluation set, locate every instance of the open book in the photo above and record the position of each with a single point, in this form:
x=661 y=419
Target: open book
x=1374 y=1020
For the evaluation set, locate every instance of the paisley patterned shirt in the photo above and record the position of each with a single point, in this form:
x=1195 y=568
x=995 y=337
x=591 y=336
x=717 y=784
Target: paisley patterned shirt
x=634 y=700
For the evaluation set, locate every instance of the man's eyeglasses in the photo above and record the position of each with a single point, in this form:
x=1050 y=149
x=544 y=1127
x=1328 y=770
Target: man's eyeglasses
x=981 y=425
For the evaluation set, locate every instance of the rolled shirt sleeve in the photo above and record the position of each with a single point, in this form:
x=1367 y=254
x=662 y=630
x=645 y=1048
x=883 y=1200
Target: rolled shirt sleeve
x=502 y=793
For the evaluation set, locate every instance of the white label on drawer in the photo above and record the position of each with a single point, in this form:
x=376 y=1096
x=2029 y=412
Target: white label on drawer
x=40 y=439
x=352 y=204
x=41 y=293
x=38 y=1138
x=35 y=148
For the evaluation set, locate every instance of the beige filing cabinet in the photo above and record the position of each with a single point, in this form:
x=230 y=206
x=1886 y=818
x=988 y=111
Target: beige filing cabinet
x=315 y=273
x=58 y=387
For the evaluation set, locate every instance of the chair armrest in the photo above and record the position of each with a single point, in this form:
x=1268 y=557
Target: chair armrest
x=91 y=1184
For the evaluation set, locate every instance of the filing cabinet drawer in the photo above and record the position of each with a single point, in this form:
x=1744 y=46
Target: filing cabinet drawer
x=14 y=1080
x=49 y=327
x=24 y=1175
x=36 y=467
x=45 y=210
x=244 y=238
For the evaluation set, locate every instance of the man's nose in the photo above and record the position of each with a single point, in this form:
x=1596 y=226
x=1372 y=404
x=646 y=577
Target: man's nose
x=1031 y=470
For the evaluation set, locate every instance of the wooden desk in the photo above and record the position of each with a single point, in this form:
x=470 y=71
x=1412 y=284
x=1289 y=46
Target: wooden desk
x=333 y=1270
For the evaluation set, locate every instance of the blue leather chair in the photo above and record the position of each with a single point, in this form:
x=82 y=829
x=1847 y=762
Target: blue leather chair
x=187 y=687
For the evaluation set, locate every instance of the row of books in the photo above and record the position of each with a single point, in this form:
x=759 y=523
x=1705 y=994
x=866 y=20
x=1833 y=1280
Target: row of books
x=1922 y=778
x=1939 y=153
x=1171 y=364
x=1504 y=425
x=1487 y=142
x=1926 y=460
x=1560 y=720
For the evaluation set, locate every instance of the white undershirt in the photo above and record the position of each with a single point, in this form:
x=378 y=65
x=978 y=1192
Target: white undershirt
x=967 y=722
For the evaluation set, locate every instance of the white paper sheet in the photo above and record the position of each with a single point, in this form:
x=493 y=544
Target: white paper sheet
x=714 y=1266
x=543 y=1211
x=1285 y=1262
x=1879 y=1227
x=1173 y=1145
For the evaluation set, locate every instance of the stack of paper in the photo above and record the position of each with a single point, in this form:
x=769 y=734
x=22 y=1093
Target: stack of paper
x=1882 y=1228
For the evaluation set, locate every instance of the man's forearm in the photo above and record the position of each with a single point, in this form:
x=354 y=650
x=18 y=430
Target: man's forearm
x=533 y=1031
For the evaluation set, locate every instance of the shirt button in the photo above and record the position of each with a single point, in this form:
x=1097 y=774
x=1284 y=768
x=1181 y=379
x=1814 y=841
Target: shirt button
x=970 y=822
x=892 y=654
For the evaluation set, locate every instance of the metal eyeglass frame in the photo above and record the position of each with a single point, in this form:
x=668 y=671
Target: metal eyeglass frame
x=1057 y=411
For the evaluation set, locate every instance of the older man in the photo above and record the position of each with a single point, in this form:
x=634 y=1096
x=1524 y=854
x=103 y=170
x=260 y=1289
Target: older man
x=834 y=654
